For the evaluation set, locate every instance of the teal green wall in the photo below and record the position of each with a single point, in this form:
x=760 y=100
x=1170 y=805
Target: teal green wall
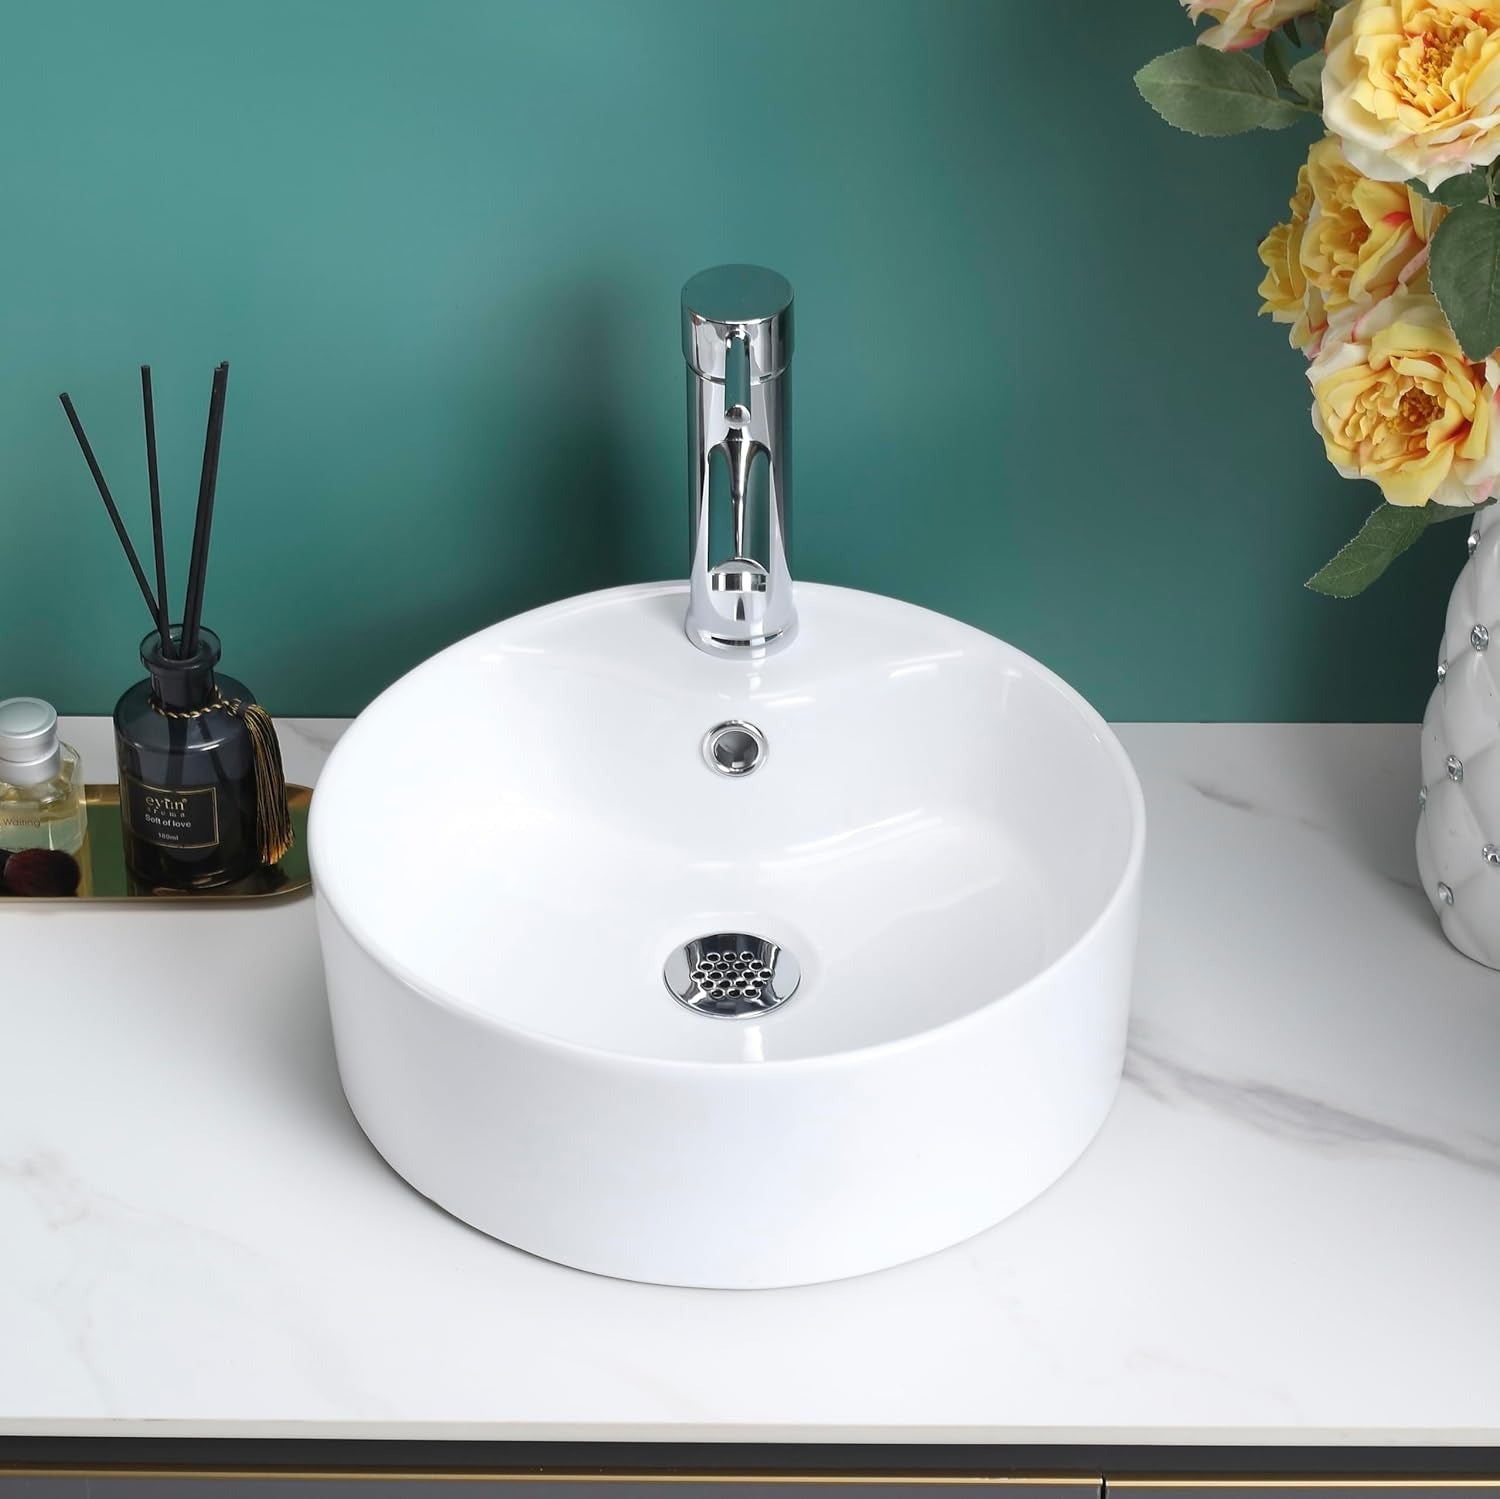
x=441 y=244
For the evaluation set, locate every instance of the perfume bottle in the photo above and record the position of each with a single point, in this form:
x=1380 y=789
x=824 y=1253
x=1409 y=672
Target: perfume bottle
x=202 y=797
x=41 y=784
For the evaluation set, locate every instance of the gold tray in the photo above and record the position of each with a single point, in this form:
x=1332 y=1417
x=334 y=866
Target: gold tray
x=106 y=878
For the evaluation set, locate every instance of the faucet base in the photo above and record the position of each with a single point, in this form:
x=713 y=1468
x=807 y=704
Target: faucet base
x=730 y=616
x=706 y=639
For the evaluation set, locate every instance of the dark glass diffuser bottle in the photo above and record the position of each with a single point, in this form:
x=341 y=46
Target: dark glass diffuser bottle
x=188 y=803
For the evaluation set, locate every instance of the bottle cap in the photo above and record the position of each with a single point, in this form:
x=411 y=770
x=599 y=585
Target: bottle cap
x=30 y=751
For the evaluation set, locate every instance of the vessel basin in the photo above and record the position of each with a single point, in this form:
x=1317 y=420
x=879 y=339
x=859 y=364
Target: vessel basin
x=920 y=889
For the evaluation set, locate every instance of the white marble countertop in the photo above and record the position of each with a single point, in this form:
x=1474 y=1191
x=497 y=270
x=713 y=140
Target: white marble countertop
x=1288 y=1231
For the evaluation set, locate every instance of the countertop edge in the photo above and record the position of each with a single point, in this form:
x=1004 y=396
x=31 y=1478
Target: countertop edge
x=719 y=1434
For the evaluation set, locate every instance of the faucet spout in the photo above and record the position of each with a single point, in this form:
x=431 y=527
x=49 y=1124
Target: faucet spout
x=737 y=339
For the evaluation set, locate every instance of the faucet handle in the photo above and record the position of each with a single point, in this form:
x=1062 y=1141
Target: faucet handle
x=737 y=312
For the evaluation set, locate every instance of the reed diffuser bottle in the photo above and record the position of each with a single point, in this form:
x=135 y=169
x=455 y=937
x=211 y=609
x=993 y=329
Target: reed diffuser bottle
x=202 y=794
x=199 y=774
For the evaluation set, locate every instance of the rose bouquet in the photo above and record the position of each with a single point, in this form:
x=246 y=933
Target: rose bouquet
x=1387 y=271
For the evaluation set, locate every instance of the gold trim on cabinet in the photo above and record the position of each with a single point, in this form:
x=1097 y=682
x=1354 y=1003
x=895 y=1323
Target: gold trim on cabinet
x=528 y=1475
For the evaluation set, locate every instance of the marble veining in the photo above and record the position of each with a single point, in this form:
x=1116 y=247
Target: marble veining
x=1284 y=1233
x=1238 y=802
x=1286 y=1115
x=1230 y=799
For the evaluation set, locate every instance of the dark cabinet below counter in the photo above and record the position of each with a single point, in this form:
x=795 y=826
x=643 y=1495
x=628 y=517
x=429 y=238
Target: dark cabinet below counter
x=315 y=1468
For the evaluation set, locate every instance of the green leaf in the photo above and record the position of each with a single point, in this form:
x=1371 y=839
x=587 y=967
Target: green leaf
x=1207 y=92
x=1437 y=514
x=1306 y=78
x=1456 y=191
x=1466 y=276
x=1274 y=53
x=1383 y=537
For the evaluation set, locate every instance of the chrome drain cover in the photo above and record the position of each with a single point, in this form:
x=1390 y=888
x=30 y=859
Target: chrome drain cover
x=732 y=975
x=734 y=748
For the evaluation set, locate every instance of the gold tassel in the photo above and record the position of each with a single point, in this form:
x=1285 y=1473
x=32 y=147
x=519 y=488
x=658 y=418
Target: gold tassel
x=273 y=817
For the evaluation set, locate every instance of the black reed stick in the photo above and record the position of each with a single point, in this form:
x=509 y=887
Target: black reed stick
x=192 y=613
x=163 y=618
x=109 y=505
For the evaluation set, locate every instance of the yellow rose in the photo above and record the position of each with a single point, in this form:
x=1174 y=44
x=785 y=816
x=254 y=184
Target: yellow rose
x=1288 y=298
x=1350 y=241
x=1243 y=23
x=1413 y=86
x=1397 y=402
x=1363 y=238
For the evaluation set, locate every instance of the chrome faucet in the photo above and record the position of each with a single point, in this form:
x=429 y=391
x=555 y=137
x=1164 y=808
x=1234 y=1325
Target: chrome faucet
x=737 y=340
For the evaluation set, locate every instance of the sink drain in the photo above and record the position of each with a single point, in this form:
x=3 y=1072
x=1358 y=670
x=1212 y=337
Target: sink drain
x=734 y=748
x=731 y=975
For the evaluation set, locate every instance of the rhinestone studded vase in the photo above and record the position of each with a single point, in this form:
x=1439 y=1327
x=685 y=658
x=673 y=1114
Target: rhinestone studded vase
x=1458 y=830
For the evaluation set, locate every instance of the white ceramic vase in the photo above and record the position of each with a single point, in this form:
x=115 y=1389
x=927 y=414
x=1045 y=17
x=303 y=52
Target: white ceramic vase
x=1458 y=830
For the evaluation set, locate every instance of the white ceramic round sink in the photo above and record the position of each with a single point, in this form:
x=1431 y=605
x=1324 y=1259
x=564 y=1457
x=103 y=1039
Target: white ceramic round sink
x=938 y=842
